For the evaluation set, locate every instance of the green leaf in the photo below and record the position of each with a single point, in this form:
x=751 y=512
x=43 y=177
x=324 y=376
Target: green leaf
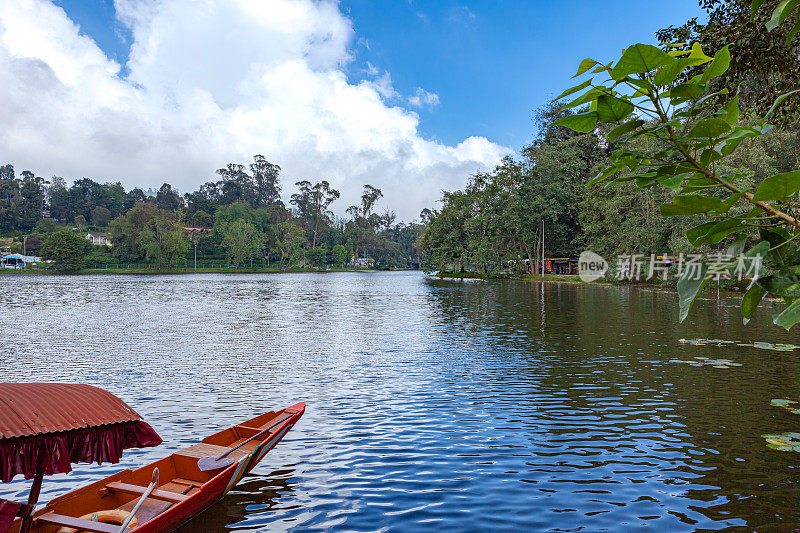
x=778 y=187
x=730 y=112
x=585 y=65
x=582 y=123
x=793 y=31
x=625 y=127
x=673 y=182
x=602 y=68
x=750 y=301
x=690 y=204
x=721 y=62
x=761 y=249
x=784 y=283
x=690 y=284
x=640 y=59
x=698 y=54
x=613 y=109
x=573 y=90
x=709 y=128
x=782 y=10
x=789 y=317
x=713 y=232
x=697 y=182
x=604 y=174
x=727 y=204
x=735 y=138
x=589 y=96
x=778 y=101
x=668 y=73
x=781 y=250
x=689 y=90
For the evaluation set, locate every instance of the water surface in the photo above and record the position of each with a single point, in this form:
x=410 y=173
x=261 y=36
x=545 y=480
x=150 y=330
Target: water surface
x=432 y=405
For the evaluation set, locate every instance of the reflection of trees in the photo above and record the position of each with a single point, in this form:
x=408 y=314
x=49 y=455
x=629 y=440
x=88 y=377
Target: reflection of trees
x=587 y=369
x=252 y=497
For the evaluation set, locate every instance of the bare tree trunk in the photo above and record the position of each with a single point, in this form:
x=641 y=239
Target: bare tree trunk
x=528 y=253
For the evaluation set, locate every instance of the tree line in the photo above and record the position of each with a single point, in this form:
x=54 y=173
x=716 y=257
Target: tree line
x=239 y=217
x=496 y=222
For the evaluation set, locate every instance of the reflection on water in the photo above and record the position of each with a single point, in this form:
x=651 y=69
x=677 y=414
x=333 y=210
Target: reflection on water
x=432 y=405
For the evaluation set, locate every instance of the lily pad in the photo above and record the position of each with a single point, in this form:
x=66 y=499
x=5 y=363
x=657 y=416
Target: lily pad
x=792 y=406
x=705 y=361
x=703 y=342
x=785 y=442
x=777 y=347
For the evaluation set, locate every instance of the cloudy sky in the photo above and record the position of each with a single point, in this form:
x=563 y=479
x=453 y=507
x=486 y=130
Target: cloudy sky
x=412 y=97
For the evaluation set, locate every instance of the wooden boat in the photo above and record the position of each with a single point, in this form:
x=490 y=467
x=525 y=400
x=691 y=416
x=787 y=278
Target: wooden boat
x=166 y=493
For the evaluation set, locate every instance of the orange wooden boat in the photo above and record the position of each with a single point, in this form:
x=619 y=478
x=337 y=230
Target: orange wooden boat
x=157 y=497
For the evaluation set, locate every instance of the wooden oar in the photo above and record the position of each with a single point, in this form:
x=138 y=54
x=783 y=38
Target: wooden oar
x=215 y=463
x=150 y=488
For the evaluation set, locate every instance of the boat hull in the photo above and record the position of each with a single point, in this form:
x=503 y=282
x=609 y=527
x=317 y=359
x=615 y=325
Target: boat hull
x=184 y=491
x=212 y=491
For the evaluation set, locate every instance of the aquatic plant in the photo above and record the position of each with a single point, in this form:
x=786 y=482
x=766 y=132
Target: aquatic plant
x=705 y=361
x=792 y=406
x=778 y=347
x=785 y=442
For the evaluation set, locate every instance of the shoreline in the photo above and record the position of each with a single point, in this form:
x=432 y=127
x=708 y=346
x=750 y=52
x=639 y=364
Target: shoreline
x=576 y=280
x=180 y=272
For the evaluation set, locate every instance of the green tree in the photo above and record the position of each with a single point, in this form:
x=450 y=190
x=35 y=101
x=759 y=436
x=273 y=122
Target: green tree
x=313 y=201
x=364 y=223
x=201 y=219
x=101 y=216
x=148 y=233
x=340 y=255
x=67 y=250
x=290 y=243
x=168 y=198
x=688 y=135
x=316 y=256
x=265 y=178
x=164 y=241
x=243 y=240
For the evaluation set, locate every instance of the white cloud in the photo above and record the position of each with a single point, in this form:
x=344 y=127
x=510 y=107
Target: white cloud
x=212 y=82
x=461 y=15
x=423 y=98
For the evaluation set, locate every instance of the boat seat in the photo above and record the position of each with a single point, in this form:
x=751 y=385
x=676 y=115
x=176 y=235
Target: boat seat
x=127 y=488
x=80 y=524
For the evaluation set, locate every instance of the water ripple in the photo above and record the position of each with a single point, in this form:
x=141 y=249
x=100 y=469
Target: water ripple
x=432 y=405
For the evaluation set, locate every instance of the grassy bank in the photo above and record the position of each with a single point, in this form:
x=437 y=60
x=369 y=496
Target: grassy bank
x=519 y=277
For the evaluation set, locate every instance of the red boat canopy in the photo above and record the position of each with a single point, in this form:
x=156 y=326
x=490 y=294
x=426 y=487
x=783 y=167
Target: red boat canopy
x=44 y=427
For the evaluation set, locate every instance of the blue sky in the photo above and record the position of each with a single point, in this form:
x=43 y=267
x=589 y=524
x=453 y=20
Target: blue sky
x=490 y=62
x=411 y=96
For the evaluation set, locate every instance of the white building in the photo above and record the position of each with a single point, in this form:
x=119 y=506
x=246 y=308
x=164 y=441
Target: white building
x=98 y=239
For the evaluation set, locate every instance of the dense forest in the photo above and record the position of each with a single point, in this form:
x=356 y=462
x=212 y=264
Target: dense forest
x=239 y=218
x=496 y=222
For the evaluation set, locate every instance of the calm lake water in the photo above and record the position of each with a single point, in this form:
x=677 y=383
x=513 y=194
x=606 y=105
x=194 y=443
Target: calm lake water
x=432 y=405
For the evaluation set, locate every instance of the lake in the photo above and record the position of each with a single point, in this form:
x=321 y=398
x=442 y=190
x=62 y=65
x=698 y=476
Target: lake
x=432 y=405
